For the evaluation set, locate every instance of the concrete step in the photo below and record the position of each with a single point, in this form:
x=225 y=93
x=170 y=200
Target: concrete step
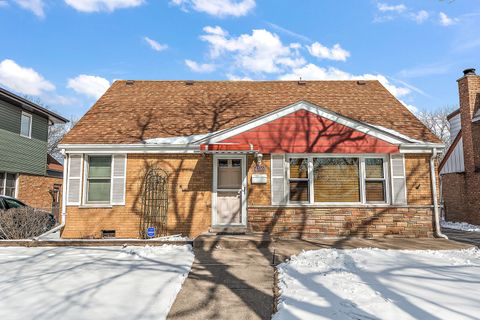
x=223 y=230
x=210 y=241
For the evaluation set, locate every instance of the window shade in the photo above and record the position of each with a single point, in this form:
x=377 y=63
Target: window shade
x=119 y=179
x=398 y=180
x=336 y=180
x=75 y=164
x=278 y=179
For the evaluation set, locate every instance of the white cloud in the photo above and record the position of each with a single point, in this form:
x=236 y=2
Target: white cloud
x=259 y=52
x=200 y=67
x=446 y=20
x=219 y=8
x=102 y=5
x=420 y=16
x=383 y=7
x=3 y=3
x=23 y=80
x=335 y=53
x=155 y=45
x=90 y=86
x=314 y=72
x=35 y=6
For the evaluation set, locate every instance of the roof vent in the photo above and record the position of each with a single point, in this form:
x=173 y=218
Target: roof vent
x=301 y=82
x=469 y=72
x=129 y=82
x=361 y=82
x=189 y=82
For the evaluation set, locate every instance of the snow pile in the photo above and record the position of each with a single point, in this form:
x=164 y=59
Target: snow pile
x=175 y=237
x=380 y=284
x=91 y=282
x=460 y=226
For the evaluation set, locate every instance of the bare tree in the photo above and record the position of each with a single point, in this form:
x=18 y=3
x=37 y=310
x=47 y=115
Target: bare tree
x=437 y=122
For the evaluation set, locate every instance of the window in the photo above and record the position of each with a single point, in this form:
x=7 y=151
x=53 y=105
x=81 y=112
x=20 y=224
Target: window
x=99 y=179
x=375 y=180
x=298 y=180
x=26 y=125
x=8 y=182
x=337 y=179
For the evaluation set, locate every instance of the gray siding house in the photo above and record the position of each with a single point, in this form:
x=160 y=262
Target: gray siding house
x=25 y=167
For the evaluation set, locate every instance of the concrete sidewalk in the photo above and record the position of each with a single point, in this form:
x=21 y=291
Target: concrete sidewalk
x=463 y=236
x=232 y=276
x=227 y=284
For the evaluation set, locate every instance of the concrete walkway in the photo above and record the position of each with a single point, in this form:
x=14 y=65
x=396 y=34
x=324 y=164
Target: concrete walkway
x=463 y=236
x=232 y=277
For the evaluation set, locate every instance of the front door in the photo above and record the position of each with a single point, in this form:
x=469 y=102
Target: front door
x=229 y=188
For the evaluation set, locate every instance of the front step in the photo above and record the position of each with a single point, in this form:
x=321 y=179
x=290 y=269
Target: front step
x=208 y=241
x=233 y=230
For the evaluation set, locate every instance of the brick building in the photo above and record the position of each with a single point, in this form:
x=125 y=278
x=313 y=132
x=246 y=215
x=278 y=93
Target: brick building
x=304 y=159
x=460 y=169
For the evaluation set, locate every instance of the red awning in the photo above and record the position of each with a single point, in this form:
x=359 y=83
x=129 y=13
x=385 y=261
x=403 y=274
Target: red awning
x=229 y=147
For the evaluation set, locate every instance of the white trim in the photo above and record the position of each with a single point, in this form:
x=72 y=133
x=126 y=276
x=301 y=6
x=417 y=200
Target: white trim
x=388 y=136
x=243 y=190
x=113 y=176
x=84 y=202
x=283 y=177
x=129 y=148
x=75 y=203
x=29 y=115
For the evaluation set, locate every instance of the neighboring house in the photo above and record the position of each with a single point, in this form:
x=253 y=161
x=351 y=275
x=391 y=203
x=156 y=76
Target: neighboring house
x=460 y=168
x=27 y=172
x=292 y=158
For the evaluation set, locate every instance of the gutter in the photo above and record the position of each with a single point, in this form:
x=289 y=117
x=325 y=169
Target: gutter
x=64 y=201
x=438 y=230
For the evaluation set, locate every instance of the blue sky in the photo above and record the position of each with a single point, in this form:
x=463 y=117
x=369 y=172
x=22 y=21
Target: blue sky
x=67 y=52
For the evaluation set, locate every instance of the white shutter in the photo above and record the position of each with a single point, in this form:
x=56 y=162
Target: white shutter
x=278 y=179
x=74 y=184
x=399 y=189
x=119 y=170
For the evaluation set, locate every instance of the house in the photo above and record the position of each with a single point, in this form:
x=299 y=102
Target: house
x=292 y=158
x=460 y=168
x=27 y=172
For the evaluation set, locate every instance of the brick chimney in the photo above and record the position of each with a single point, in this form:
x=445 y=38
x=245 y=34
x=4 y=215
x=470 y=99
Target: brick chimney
x=469 y=92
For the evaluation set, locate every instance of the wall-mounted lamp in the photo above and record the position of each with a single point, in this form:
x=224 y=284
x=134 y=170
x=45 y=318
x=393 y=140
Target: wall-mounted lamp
x=259 y=159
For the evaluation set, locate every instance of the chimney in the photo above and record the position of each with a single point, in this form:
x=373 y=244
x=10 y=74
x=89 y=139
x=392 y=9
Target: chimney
x=469 y=93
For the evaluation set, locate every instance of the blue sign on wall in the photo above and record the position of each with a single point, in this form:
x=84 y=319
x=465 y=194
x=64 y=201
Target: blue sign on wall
x=151 y=232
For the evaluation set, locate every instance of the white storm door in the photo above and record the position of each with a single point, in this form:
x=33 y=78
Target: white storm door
x=229 y=190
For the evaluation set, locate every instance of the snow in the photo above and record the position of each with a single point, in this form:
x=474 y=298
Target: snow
x=178 y=140
x=380 y=284
x=91 y=282
x=460 y=226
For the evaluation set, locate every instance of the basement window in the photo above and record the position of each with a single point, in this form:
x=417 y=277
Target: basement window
x=108 y=234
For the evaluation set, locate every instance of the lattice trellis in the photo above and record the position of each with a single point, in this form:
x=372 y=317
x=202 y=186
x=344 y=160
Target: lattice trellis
x=154 y=203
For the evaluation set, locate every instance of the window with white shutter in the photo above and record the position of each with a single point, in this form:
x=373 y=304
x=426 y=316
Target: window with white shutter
x=75 y=165
x=399 y=189
x=278 y=179
x=118 y=179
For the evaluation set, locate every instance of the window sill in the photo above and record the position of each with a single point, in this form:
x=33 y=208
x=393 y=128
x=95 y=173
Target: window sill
x=90 y=206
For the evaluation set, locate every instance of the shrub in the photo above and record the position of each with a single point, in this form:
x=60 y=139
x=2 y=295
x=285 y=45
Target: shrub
x=24 y=223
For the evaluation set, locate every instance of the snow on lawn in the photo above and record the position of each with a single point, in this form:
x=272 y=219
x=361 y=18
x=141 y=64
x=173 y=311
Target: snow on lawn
x=380 y=284
x=460 y=226
x=91 y=282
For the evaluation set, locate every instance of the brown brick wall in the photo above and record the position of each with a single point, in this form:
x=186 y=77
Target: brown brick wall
x=34 y=190
x=419 y=184
x=310 y=223
x=461 y=192
x=189 y=193
x=190 y=184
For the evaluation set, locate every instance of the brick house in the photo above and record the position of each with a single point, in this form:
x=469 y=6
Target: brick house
x=304 y=159
x=27 y=171
x=460 y=168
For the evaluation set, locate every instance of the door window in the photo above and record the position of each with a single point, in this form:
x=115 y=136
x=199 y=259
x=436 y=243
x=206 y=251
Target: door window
x=229 y=174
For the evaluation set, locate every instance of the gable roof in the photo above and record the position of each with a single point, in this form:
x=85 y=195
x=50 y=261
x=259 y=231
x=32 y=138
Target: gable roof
x=132 y=112
x=31 y=106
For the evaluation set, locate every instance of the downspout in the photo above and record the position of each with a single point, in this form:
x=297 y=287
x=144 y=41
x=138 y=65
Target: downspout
x=64 y=198
x=438 y=231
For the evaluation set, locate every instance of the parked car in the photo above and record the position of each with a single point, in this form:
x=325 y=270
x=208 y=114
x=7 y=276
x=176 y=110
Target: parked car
x=7 y=203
